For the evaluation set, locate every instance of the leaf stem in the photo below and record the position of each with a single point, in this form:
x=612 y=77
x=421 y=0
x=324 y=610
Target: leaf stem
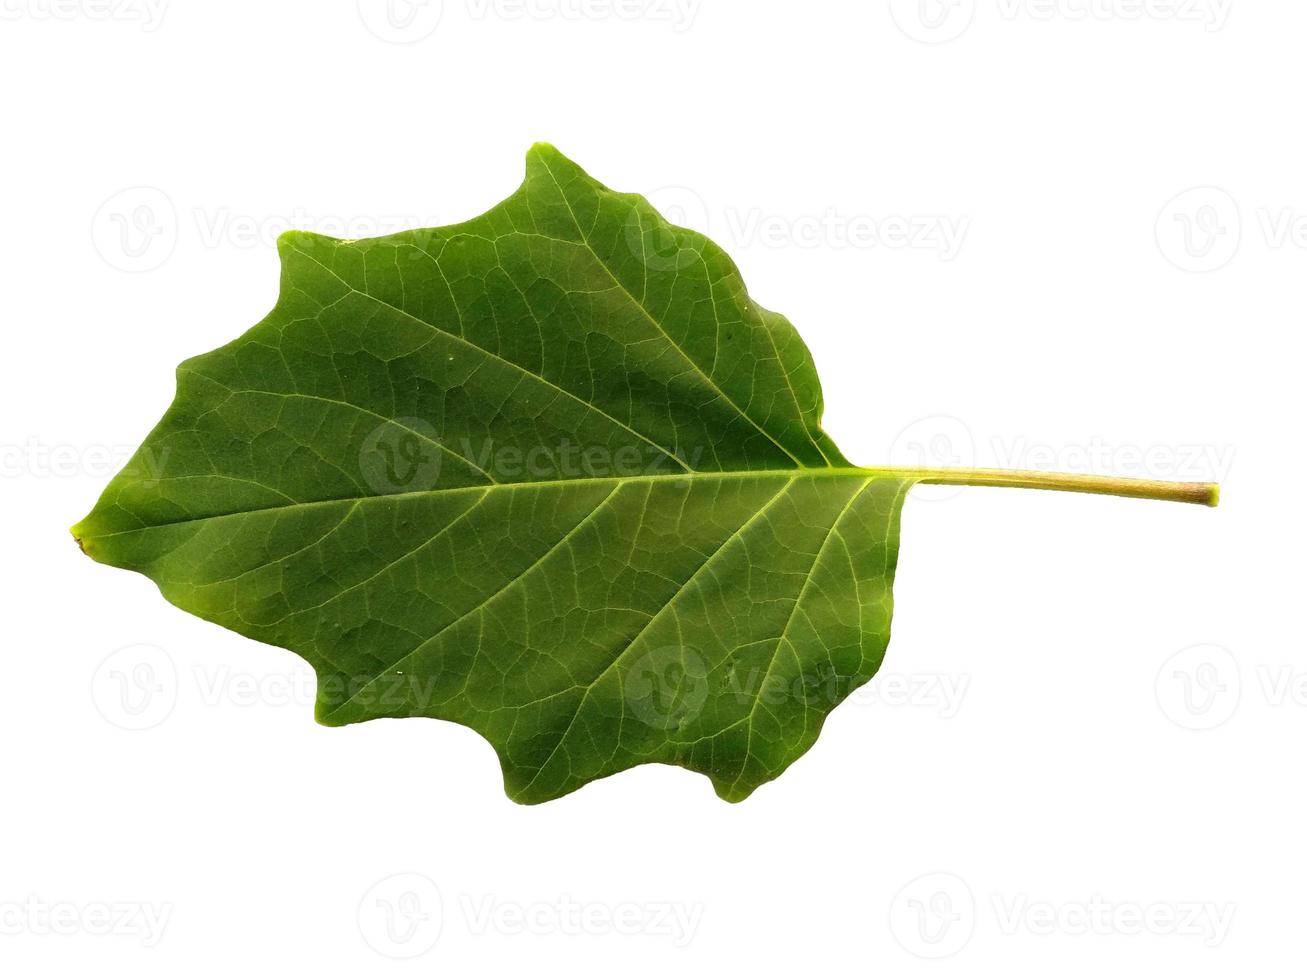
x=1187 y=493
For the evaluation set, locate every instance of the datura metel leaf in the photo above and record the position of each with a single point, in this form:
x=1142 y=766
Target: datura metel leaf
x=549 y=473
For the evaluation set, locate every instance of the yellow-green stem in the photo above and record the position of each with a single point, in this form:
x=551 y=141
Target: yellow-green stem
x=1188 y=493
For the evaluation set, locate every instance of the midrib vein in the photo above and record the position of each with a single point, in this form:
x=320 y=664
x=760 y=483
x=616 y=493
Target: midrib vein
x=816 y=473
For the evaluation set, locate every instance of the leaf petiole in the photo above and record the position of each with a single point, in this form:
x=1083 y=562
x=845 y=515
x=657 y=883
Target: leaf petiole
x=1186 y=493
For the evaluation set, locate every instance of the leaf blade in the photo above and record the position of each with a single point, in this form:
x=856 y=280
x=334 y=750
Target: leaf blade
x=674 y=608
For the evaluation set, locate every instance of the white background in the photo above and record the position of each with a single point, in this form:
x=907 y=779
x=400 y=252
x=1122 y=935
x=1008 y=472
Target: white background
x=1089 y=728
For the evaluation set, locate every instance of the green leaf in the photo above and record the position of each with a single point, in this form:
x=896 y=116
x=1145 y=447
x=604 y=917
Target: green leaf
x=549 y=473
